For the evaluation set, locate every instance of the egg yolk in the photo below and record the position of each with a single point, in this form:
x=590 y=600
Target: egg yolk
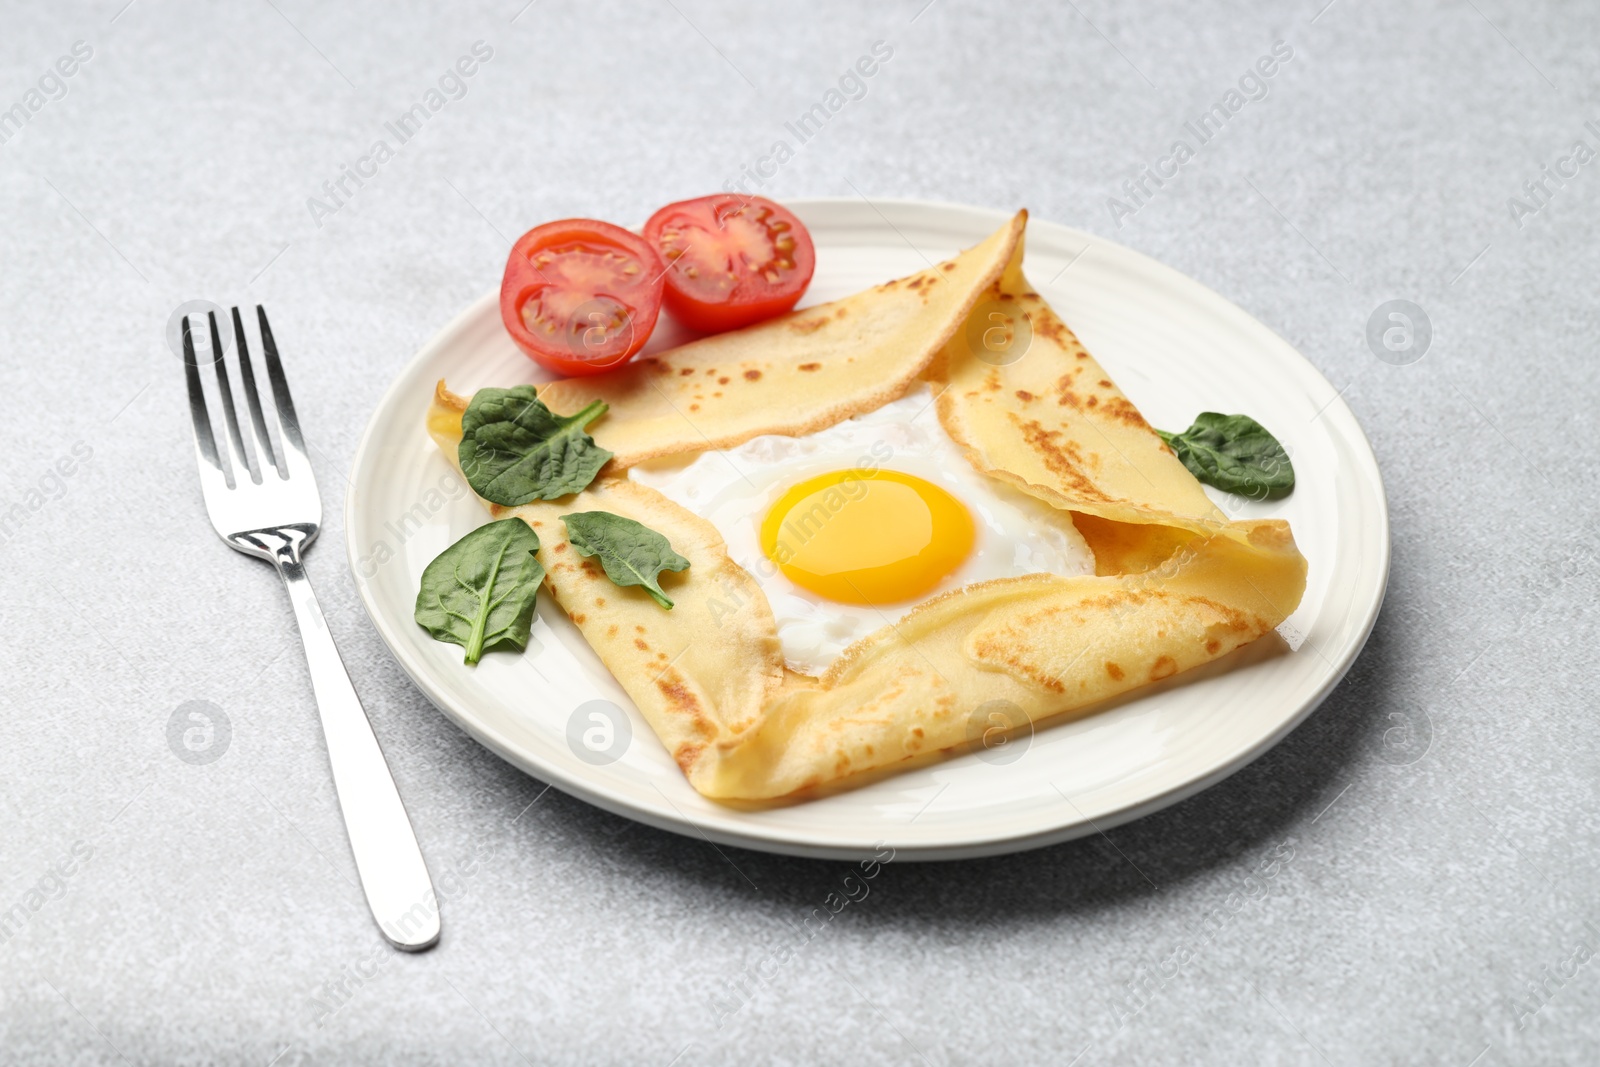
x=867 y=536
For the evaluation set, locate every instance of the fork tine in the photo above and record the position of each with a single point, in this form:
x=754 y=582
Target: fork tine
x=205 y=445
x=294 y=446
x=252 y=399
x=229 y=416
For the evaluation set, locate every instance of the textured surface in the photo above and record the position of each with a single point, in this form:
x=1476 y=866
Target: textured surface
x=1387 y=886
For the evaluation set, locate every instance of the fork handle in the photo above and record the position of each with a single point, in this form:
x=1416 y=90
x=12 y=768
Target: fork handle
x=393 y=873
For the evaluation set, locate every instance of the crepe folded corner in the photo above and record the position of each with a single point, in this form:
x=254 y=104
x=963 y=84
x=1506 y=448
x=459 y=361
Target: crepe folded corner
x=1176 y=584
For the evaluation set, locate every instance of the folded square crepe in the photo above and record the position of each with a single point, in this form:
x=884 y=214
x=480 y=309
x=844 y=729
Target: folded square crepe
x=1175 y=584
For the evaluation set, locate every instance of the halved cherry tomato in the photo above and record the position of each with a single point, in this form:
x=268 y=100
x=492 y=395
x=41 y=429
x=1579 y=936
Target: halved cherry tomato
x=581 y=296
x=732 y=260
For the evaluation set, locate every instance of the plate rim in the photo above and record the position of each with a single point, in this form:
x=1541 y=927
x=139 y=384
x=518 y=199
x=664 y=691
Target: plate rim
x=787 y=843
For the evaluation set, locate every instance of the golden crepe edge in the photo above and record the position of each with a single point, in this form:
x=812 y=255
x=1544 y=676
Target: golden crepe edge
x=794 y=374
x=1175 y=585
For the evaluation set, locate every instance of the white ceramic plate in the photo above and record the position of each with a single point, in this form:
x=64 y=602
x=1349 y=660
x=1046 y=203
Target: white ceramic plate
x=1174 y=346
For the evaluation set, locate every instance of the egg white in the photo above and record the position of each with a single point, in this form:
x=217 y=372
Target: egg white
x=734 y=488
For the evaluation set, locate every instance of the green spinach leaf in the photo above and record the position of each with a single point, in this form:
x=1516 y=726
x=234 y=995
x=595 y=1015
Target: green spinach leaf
x=1236 y=454
x=514 y=449
x=630 y=552
x=480 y=592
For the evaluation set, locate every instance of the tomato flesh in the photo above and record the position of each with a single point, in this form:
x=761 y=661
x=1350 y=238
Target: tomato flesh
x=581 y=296
x=731 y=260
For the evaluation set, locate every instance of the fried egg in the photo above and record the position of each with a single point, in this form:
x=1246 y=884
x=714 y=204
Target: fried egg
x=847 y=529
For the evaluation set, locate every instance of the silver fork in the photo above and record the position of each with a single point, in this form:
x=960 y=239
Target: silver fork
x=273 y=513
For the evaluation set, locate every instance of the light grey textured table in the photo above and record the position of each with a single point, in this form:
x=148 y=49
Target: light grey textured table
x=1390 y=885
